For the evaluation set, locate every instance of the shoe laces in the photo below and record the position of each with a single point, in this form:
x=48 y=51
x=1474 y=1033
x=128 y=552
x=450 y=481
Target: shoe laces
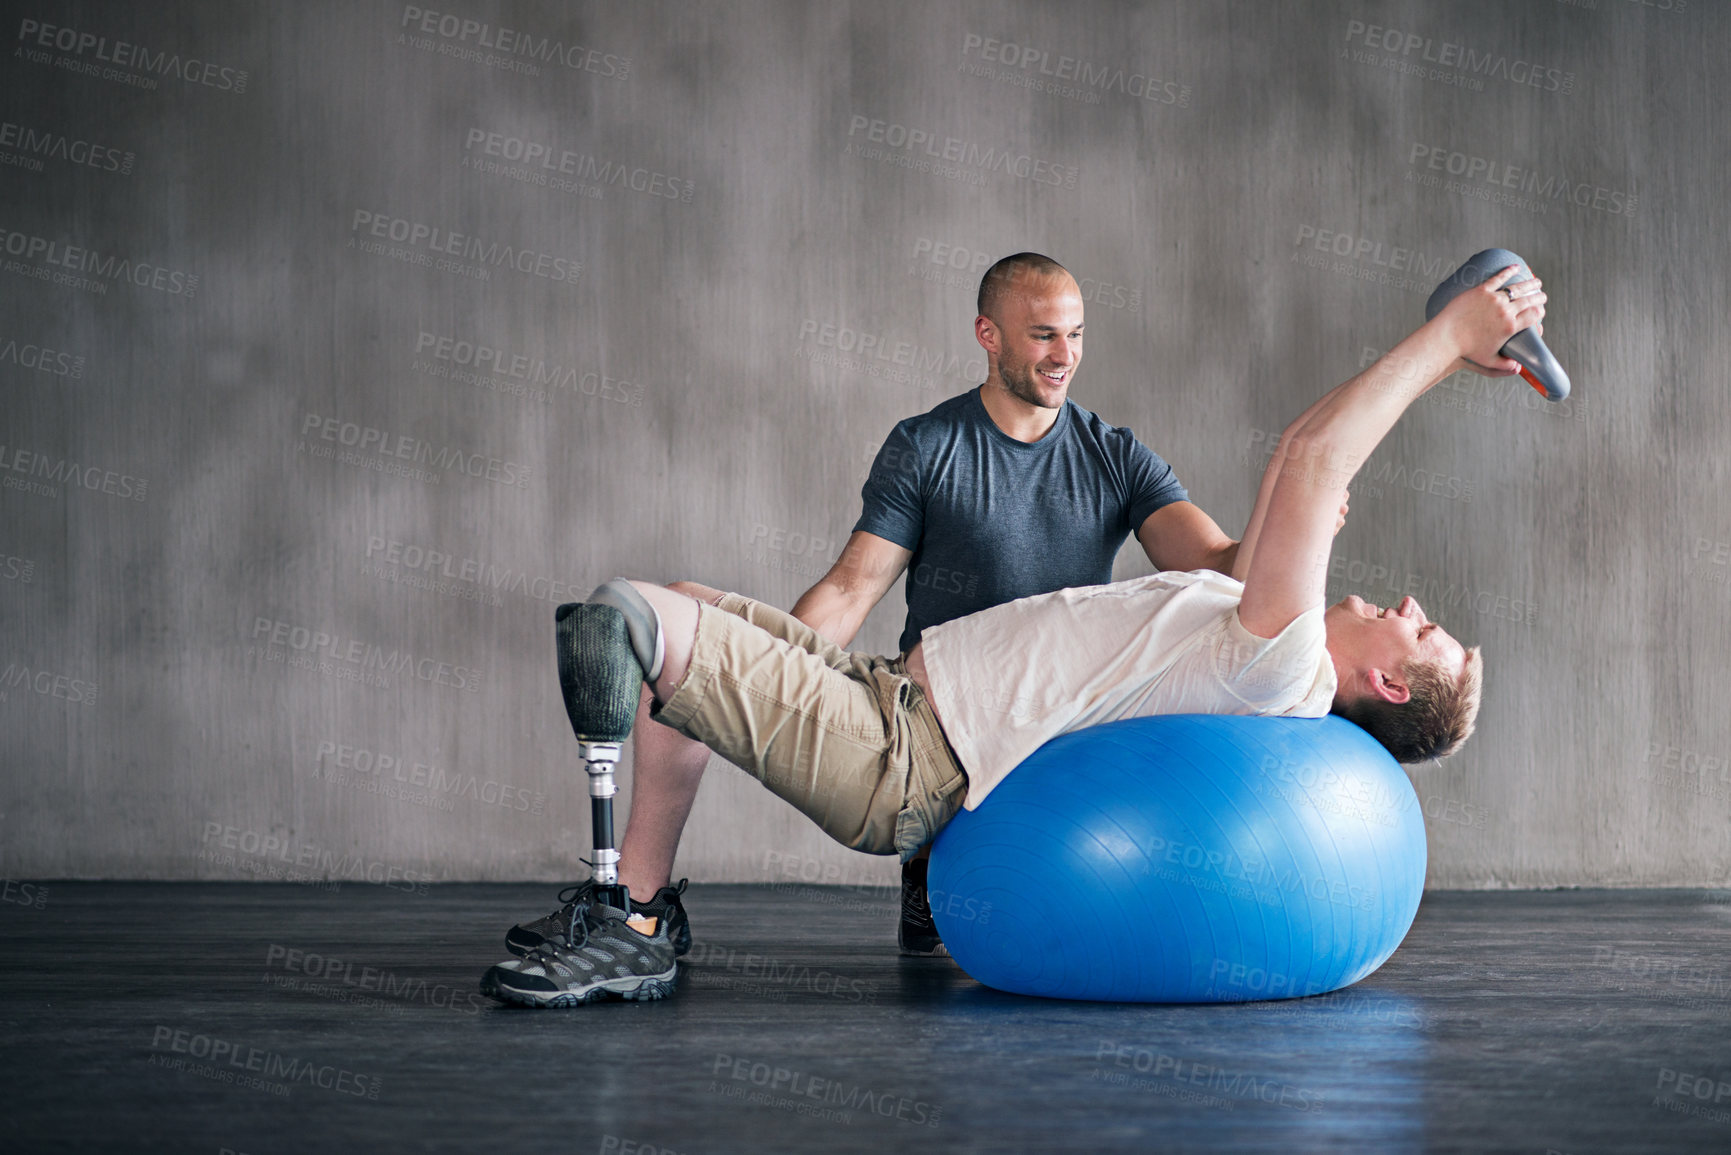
x=572 y=895
x=586 y=916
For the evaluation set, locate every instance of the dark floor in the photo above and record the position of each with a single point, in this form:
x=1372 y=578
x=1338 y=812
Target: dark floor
x=277 y=1018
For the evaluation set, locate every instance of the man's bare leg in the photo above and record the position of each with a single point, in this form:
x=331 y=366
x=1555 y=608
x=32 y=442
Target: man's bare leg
x=666 y=767
x=666 y=770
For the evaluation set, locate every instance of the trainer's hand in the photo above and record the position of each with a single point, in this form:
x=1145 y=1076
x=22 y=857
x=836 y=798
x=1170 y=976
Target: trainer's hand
x=1482 y=320
x=1340 y=522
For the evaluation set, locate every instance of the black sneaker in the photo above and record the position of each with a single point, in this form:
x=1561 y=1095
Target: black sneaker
x=554 y=928
x=918 y=934
x=603 y=957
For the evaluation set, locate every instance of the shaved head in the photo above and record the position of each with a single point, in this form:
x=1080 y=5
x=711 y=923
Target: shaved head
x=995 y=285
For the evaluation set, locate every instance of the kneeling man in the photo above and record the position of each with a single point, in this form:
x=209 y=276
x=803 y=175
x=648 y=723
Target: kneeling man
x=882 y=752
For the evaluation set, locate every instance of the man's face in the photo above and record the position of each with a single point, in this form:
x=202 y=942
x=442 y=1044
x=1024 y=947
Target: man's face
x=1363 y=637
x=1039 y=334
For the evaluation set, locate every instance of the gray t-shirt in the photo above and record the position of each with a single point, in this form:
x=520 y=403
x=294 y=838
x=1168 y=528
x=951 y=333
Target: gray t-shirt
x=991 y=519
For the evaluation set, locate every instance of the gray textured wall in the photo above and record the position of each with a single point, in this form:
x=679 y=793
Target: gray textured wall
x=226 y=653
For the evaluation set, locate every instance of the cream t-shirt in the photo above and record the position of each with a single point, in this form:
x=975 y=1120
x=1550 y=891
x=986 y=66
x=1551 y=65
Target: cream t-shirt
x=1008 y=679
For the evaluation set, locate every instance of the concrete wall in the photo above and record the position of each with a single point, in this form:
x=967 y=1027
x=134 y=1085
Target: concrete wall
x=281 y=545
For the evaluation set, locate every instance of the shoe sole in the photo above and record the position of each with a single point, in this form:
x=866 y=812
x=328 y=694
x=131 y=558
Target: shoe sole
x=681 y=942
x=632 y=990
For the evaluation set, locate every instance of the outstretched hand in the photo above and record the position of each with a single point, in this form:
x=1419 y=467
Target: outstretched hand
x=1483 y=318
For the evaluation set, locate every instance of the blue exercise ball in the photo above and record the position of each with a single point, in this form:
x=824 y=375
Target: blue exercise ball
x=1185 y=858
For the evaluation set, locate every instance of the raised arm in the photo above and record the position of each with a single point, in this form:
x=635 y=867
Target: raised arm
x=1265 y=492
x=837 y=605
x=1284 y=554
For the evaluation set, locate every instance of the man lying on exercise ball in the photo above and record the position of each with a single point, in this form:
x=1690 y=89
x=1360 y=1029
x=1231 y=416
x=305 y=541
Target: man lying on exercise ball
x=880 y=752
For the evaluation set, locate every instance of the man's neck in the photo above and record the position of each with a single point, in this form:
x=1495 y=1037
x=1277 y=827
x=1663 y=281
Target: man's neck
x=1014 y=417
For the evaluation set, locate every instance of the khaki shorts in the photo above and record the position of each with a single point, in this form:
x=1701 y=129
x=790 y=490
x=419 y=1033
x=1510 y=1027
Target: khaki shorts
x=849 y=739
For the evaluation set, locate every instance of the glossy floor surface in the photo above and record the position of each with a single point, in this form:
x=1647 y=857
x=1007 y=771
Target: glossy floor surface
x=275 y=1018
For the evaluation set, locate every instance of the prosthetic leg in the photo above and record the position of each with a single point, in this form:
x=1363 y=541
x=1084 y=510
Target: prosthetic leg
x=607 y=647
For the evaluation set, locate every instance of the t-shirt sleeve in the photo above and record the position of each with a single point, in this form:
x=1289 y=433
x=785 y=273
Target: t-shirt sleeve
x=1288 y=673
x=1153 y=483
x=893 y=496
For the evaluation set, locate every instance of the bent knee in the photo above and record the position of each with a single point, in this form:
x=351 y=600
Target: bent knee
x=702 y=593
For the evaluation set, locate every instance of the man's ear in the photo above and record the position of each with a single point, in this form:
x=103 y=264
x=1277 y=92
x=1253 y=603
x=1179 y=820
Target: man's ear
x=986 y=333
x=1390 y=688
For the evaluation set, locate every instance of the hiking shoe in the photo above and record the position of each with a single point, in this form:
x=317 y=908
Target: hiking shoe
x=917 y=934
x=556 y=927
x=602 y=957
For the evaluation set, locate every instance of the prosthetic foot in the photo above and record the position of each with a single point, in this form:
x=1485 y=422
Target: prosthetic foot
x=606 y=646
x=1538 y=367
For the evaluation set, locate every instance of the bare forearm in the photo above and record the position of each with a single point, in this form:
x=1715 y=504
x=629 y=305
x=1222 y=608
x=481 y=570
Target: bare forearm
x=1180 y=536
x=832 y=611
x=837 y=605
x=1223 y=560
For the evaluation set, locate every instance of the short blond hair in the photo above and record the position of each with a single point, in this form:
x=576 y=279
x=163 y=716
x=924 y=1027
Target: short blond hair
x=1439 y=714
